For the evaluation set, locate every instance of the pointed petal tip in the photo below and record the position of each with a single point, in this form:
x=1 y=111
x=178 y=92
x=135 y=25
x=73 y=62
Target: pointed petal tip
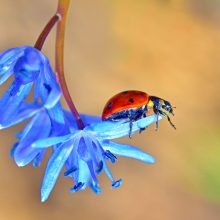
x=19 y=163
x=95 y=188
x=150 y=160
x=44 y=194
x=43 y=198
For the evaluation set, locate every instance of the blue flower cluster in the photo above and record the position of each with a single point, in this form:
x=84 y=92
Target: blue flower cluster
x=29 y=68
x=84 y=152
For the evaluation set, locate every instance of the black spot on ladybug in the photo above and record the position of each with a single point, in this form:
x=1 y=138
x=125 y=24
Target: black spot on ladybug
x=125 y=92
x=131 y=100
x=109 y=105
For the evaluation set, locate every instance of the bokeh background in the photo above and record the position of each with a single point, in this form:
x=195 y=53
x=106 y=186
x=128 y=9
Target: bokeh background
x=168 y=48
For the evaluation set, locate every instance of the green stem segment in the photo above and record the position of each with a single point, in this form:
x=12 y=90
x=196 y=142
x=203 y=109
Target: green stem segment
x=63 y=8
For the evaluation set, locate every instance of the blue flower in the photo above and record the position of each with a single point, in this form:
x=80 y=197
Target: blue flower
x=28 y=67
x=85 y=152
x=44 y=124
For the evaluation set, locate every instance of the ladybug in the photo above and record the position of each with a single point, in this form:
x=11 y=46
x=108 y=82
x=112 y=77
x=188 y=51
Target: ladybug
x=134 y=105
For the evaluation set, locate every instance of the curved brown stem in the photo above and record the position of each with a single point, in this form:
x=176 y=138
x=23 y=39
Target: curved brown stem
x=41 y=39
x=62 y=11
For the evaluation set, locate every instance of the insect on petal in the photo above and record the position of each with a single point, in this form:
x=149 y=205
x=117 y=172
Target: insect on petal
x=118 y=129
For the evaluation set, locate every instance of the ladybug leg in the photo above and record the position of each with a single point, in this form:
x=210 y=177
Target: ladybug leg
x=142 y=129
x=168 y=118
x=157 y=114
x=131 y=125
x=131 y=117
x=156 y=111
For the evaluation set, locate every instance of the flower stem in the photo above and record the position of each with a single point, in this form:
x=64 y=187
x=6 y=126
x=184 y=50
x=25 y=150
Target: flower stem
x=63 y=8
x=41 y=39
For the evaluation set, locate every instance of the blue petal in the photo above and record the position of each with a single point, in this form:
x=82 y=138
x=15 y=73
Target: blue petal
x=96 y=189
x=60 y=126
x=24 y=153
x=6 y=69
x=4 y=99
x=8 y=56
x=10 y=106
x=53 y=97
x=101 y=155
x=29 y=125
x=54 y=168
x=89 y=119
x=27 y=67
x=30 y=60
x=84 y=174
x=38 y=159
x=5 y=77
x=108 y=172
x=92 y=172
x=13 y=150
x=118 y=129
x=8 y=59
x=23 y=115
x=91 y=150
x=50 y=141
x=55 y=93
x=37 y=89
x=72 y=162
x=127 y=151
x=99 y=167
x=48 y=88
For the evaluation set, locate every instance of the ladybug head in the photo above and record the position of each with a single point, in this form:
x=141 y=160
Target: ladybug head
x=166 y=106
x=162 y=107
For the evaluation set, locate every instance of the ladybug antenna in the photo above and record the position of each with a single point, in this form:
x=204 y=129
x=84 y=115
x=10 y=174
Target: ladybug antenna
x=168 y=118
x=172 y=111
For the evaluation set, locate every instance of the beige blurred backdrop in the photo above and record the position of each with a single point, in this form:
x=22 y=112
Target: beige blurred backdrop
x=168 y=48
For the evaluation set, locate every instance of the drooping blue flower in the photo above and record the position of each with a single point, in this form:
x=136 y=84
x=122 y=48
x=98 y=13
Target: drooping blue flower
x=85 y=152
x=28 y=67
x=44 y=124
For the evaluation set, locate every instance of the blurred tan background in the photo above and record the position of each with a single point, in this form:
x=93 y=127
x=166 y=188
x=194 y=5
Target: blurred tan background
x=168 y=48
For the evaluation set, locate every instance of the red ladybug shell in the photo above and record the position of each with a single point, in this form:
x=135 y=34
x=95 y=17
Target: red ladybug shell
x=124 y=101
